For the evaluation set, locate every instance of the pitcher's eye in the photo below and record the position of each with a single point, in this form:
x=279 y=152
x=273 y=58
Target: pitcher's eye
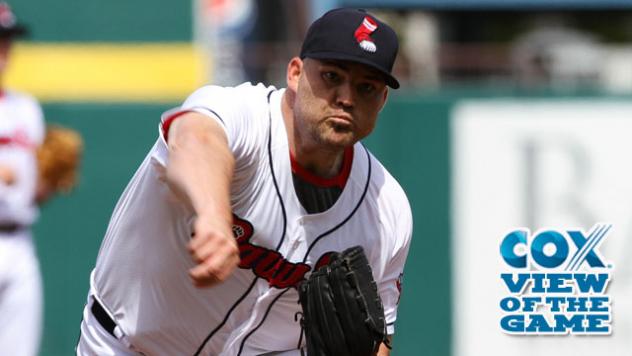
x=331 y=77
x=366 y=88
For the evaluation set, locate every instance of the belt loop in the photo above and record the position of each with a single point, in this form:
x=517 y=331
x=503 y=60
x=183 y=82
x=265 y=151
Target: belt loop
x=104 y=319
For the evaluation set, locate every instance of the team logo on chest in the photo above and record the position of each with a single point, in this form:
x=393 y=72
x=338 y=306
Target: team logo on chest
x=264 y=262
x=270 y=264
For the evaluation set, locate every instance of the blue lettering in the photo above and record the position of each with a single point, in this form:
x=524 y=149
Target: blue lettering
x=529 y=303
x=600 y=304
x=510 y=304
x=595 y=324
x=507 y=248
x=555 y=302
x=539 y=324
x=577 y=304
x=512 y=323
x=519 y=285
x=538 y=282
x=545 y=238
x=562 y=323
x=580 y=240
x=557 y=283
x=596 y=282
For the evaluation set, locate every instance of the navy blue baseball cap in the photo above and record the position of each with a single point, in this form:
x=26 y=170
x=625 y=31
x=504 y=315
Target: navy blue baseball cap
x=353 y=35
x=9 y=27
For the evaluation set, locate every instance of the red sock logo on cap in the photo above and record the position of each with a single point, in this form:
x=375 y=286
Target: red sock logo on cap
x=363 y=32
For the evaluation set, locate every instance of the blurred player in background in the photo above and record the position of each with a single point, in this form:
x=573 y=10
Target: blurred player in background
x=21 y=133
x=33 y=166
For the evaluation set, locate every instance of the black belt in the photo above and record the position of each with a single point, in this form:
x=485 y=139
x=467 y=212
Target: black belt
x=9 y=228
x=103 y=318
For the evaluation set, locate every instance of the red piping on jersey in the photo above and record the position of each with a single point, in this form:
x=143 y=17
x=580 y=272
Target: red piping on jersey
x=168 y=121
x=338 y=181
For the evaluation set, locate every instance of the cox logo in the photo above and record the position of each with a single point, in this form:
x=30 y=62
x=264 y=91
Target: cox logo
x=550 y=248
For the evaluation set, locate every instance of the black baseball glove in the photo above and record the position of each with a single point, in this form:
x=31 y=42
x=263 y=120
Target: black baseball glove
x=342 y=310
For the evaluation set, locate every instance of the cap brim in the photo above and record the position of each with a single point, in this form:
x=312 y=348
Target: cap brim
x=388 y=77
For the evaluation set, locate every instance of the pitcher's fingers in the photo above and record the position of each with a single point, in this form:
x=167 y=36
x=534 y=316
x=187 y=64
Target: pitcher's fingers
x=197 y=240
x=204 y=251
x=202 y=275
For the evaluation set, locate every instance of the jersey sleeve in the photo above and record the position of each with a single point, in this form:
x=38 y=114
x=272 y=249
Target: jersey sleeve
x=237 y=110
x=390 y=287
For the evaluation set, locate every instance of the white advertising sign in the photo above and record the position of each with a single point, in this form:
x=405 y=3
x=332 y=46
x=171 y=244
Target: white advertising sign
x=552 y=182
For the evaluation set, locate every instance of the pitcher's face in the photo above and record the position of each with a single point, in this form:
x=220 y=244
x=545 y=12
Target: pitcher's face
x=337 y=102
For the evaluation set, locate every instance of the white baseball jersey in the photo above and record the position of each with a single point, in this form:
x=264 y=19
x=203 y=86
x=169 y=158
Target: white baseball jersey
x=21 y=131
x=141 y=272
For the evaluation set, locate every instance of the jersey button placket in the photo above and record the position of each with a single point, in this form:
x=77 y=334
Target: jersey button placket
x=295 y=239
